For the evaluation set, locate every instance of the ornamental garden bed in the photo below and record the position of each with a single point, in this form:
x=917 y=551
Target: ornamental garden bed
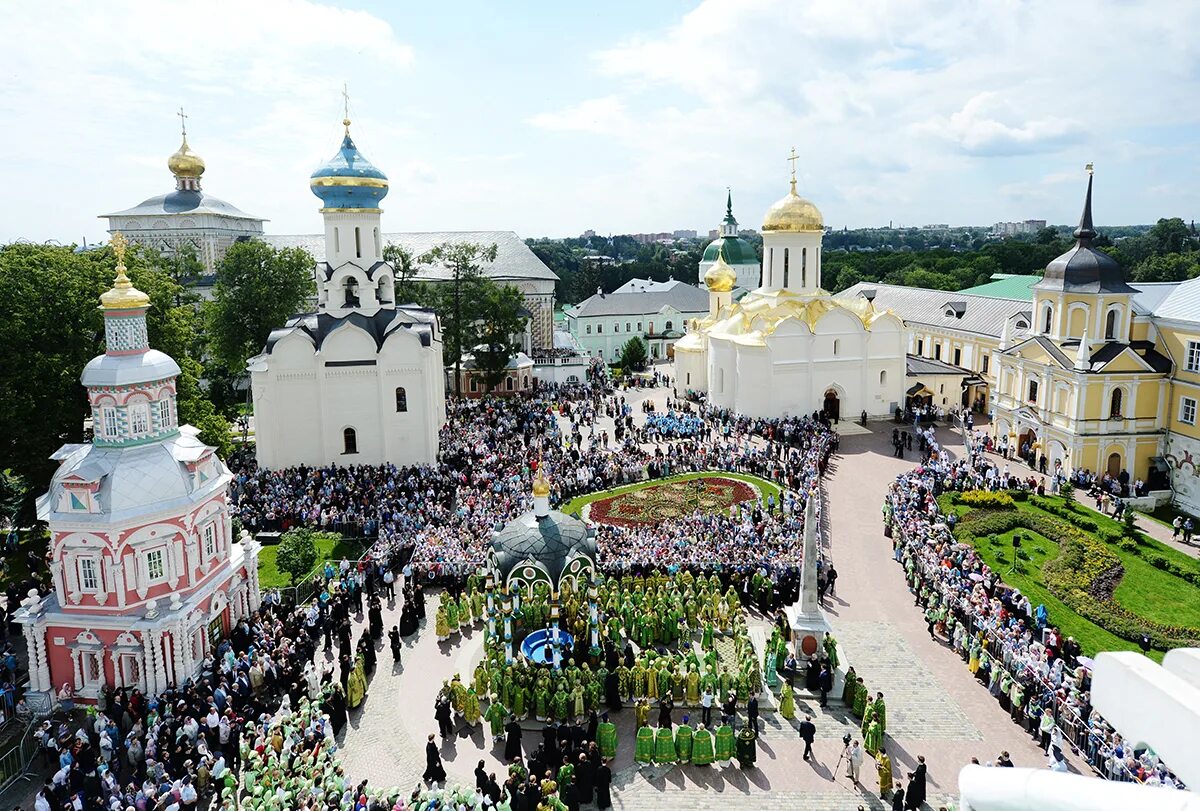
x=654 y=502
x=1101 y=584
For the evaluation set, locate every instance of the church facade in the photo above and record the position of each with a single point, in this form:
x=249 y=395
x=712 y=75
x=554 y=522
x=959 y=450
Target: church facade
x=788 y=346
x=360 y=380
x=187 y=217
x=146 y=575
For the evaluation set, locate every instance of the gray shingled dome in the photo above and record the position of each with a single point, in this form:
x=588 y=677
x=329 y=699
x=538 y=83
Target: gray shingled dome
x=550 y=541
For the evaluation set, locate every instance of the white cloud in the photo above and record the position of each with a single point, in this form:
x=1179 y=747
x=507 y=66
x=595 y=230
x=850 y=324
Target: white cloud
x=978 y=130
x=603 y=115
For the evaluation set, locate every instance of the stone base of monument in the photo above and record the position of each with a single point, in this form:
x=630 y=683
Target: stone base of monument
x=808 y=631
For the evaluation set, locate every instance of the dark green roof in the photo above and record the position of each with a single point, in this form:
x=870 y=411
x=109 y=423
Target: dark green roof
x=734 y=250
x=1005 y=285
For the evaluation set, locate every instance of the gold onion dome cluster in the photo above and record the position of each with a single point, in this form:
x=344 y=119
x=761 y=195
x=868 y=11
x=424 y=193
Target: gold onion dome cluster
x=123 y=295
x=720 y=278
x=185 y=162
x=793 y=214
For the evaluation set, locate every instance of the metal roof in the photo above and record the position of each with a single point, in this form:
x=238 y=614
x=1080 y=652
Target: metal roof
x=916 y=365
x=983 y=315
x=1005 y=285
x=684 y=298
x=514 y=259
x=319 y=326
x=1182 y=303
x=184 y=201
x=550 y=541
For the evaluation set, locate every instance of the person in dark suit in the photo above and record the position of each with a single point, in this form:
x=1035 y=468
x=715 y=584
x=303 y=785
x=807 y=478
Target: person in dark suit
x=825 y=681
x=603 y=782
x=434 y=771
x=808 y=732
x=512 y=740
x=898 y=798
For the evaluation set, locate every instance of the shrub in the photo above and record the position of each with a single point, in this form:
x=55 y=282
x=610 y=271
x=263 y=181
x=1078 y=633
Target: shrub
x=1130 y=545
x=297 y=553
x=987 y=500
x=1067 y=491
x=1128 y=519
x=1019 y=495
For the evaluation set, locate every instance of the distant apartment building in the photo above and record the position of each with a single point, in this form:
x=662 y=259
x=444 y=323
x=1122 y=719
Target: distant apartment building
x=684 y=233
x=1010 y=229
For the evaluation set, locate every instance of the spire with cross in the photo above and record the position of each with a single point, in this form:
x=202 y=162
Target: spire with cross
x=346 y=106
x=183 y=122
x=792 y=158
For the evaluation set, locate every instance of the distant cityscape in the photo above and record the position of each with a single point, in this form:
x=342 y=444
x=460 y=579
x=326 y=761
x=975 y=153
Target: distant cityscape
x=999 y=229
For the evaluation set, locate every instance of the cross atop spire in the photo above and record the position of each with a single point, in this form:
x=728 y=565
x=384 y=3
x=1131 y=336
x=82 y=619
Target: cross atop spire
x=182 y=122
x=346 y=107
x=728 y=202
x=792 y=159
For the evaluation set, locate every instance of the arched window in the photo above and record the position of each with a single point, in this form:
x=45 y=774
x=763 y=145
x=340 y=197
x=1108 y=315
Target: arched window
x=1114 y=406
x=378 y=247
x=1110 y=325
x=668 y=326
x=349 y=441
x=1048 y=318
x=401 y=399
x=386 y=289
x=804 y=267
x=474 y=383
x=350 y=286
x=785 y=266
x=358 y=241
x=508 y=383
x=525 y=382
x=883 y=377
x=837 y=345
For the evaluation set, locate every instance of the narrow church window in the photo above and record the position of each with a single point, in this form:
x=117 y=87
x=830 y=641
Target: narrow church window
x=358 y=241
x=337 y=240
x=883 y=377
x=804 y=267
x=110 y=422
x=1033 y=391
x=957 y=356
x=837 y=345
x=1049 y=319
x=508 y=383
x=785 y=267
x=770 y=268
x=378 y=247
x=920 y=346
x=1110 y=325
x=401 y=399
x=350 y=441
x=1114 y=411
x=351 y=288
x=88 y=580
x=474 y=384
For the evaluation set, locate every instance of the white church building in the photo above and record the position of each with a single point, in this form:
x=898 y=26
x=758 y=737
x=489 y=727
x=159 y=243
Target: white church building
x=788 y=346
x=359 y=381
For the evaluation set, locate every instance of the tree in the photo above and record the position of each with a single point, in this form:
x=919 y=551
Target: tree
x=51 y=329
x=197 y=410
x=466 y=261
x=633 y=354
x=258 y=289
x=500 y=319
x=296 y=554
x=14 y=490
x=405 y=264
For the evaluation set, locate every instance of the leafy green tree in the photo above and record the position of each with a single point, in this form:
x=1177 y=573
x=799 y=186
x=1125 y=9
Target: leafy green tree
x=51 y=329
x=197 y=410
x=466 y=261
x=500 y=319
x=258 y=288
x=296 y=554
x=14 y=491
x=633 y=354
x=1172 y=267
x=405 y=264
x=1171 y=235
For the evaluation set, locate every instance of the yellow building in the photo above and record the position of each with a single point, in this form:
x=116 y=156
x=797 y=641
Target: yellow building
x=1088 y=389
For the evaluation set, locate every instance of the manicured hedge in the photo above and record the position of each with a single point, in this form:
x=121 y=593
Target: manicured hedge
x=1081 y=561
x=987 y=499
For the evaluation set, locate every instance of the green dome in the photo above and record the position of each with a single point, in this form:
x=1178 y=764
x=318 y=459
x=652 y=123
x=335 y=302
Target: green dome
x=734 y=250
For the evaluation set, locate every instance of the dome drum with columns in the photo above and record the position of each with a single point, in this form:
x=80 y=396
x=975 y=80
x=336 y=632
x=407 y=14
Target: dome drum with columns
x=788 y=346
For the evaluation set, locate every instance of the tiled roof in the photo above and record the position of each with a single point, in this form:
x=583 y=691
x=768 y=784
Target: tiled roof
x=514 y=259
x=684 y=298
x=916 y=365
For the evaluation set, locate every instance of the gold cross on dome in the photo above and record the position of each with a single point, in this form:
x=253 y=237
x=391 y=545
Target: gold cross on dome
x=1088 y=168
x=119 y=244
x=182 y=121
x=792 y=159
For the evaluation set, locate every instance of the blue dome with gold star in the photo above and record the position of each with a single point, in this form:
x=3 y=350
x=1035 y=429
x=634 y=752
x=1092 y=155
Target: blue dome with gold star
x=348 y=181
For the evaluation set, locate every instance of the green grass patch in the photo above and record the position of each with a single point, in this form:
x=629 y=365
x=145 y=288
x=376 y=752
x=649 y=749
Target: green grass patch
x=767 y=488
x=328 y=549
x=1165 y=514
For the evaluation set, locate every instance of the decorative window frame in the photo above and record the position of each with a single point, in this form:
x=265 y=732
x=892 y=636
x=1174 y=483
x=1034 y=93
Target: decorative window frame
x=1186 y=403
x=140 y=411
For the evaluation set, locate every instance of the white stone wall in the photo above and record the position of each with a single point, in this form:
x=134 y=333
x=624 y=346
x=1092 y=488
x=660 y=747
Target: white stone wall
x=302 y=404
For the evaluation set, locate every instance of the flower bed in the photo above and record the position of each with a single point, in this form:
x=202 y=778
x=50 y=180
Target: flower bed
x=656 y=503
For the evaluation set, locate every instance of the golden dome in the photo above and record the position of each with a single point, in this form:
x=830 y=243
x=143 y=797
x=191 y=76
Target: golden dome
x=720 y=278
x=123 y=295
x=185 y=162
x=793 y=214
x=541 y=487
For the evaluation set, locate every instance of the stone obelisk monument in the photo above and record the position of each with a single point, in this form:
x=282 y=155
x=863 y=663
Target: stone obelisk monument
x=808 y=622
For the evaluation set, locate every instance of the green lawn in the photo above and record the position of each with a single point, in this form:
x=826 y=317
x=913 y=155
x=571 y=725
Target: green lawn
x=328 y=549
x=1145 y=590
x=575 y=505
x=1165 y=515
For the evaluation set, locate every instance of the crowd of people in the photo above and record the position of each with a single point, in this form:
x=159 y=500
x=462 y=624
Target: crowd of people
x=1032 y=670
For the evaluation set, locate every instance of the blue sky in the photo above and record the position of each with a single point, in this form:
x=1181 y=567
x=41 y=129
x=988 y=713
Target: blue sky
x=549 y=118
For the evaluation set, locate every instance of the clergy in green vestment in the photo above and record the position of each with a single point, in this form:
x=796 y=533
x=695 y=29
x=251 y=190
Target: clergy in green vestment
x=860 y=699
x=702 y=747
x=881 y=713
x=471 y=707
x=644 y=750
x=664 y=746
x=606 y=738
x=496 y=715
x=849 y=687
x=868 y=717
x=787 y=702
x=873 y=740
x=725 y=743
x=684 y=741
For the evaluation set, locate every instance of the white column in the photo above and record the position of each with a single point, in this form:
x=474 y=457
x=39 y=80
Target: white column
x=118 y=677
x=77 y=671
x=56 y=575
x=34 y=659
x=43 y=660
x=150 y=663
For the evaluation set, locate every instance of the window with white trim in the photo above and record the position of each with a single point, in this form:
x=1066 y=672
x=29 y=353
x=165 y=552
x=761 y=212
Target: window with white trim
x=108 y=419
x=164 y=412
x=139 y=419
x=210 y=539
x=1193 y=356
x=1187 y=410
x=89 y=575
x=156 y=564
